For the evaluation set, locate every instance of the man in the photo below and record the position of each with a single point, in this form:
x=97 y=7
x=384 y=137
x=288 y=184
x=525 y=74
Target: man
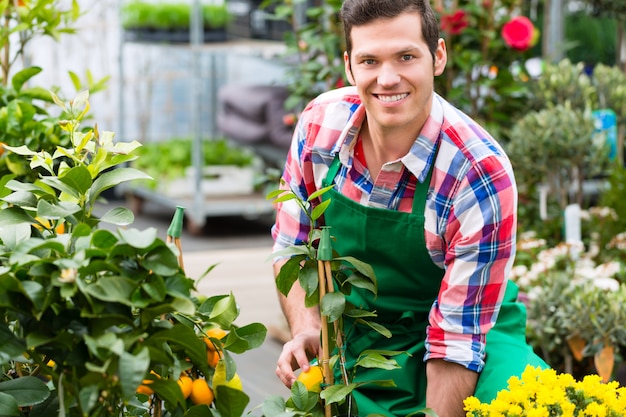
x=424 y=195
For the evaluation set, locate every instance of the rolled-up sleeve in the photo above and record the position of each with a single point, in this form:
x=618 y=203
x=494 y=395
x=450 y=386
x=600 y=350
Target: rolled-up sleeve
x=478 y=230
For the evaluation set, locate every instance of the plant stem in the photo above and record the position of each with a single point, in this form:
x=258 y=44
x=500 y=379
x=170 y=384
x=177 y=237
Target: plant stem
x=5 y=49
x=328 y=376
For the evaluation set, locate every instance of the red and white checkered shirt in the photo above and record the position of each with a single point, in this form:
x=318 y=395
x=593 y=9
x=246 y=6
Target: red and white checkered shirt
x=470 y=213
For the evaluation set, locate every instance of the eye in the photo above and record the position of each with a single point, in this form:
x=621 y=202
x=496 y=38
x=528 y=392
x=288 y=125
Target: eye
x=368 y=61
x=406 y=58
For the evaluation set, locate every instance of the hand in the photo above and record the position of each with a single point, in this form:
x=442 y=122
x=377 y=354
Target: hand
x=297 y=353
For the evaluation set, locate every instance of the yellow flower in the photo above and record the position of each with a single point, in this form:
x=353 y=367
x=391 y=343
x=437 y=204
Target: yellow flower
x=544 y=393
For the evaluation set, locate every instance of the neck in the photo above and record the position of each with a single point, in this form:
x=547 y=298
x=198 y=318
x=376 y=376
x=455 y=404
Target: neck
x=387 y=144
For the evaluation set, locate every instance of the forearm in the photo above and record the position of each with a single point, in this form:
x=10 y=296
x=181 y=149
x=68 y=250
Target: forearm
x=299 y=318
x=448 y=384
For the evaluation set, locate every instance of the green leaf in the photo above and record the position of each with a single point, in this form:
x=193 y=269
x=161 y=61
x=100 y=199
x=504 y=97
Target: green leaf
x=161 y=261
x=308 y=277
x=288 y=274
x=112 y=178
x=359 y=280
x=23 y=199
x=332 y=305
x=319 y=210
x=301 y=397
x=78 y=179
x=319 y=192
x=426 y=411
x=11 y=236
x=26 y=390
x=113 y=289
x=184 y=337
x=364 y=268
x=8 y=405
x=223 y=310
x=275 y=405
x=377 y=327
x=88 y=396
x=232 y=402
x=131 y=370
x=139 y=239
x=374 y=359
x=119 y=216
x=13 y=215
x=56 y=211
x=337 y=393
x=103 y=239
x=244 y=338
x=21 y=77
x=10 y=346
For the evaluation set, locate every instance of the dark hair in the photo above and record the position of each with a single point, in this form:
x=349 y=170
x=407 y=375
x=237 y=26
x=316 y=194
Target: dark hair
x=361 y=12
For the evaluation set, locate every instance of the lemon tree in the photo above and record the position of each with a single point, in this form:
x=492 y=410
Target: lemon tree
x=100 y=321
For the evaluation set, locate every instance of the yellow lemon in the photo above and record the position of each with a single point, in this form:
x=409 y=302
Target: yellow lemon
x=201 y=393
x=312 y=379
x=219 y=378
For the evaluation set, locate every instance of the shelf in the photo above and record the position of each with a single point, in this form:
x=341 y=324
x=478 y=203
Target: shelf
x=249 y=206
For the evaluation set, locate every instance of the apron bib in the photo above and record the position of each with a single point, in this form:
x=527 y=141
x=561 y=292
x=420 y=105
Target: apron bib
x=392 y=242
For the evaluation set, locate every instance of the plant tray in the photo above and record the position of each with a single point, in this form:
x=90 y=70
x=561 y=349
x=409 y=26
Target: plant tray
x=216 y=180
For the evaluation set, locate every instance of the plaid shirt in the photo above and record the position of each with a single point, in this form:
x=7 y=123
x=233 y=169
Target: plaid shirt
x=470 y=216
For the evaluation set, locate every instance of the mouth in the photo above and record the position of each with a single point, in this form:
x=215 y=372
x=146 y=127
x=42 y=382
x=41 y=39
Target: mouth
x=391 y=98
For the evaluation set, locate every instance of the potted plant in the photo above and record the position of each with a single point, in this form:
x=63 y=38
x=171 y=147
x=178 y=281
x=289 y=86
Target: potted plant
x=226 y=168
x=100 y=322
x=169 y=21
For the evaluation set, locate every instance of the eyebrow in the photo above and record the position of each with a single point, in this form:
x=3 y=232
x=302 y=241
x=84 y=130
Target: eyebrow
x=404 y=51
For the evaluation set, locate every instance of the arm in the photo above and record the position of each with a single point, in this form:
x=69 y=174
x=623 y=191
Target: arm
x=478 y=254
x=448 y=385
x=305 y=326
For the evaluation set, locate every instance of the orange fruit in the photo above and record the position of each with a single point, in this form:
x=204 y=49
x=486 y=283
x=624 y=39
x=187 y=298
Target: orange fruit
x=186 y=384
x=144 y=388
x=212 y=357
x=215 y=333
x=312 y=379
x=201 y=393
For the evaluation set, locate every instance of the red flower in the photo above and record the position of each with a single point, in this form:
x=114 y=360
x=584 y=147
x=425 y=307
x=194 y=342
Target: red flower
x=518 y=33
x=454 y=23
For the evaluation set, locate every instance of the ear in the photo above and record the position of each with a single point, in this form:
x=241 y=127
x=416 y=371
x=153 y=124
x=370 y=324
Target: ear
x=441 y=57
x=348 y=68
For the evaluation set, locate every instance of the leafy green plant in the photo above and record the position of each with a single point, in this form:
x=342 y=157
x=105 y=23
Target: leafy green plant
x=170 y=159
x=26 y=20
x=345 y=273
x=138 y=14
x=88 y=314
x=556 y=146
x=315 y=48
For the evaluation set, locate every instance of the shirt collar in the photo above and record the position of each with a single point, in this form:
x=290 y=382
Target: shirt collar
x=420 y=157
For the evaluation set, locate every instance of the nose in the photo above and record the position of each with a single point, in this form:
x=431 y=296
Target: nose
x=388 y=75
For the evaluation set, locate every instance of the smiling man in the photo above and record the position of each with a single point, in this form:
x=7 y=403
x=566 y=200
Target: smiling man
x=428 y=198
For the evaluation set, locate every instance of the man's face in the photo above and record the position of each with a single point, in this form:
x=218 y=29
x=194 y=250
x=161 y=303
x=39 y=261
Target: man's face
x=394 y=71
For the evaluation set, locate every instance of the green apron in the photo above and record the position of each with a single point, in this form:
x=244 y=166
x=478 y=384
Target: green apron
x=392 y=242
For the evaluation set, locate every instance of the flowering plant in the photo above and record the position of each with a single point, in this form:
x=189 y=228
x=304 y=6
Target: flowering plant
x=519 y=33
x=545 y=393
x=486 y=47
x=575 y=296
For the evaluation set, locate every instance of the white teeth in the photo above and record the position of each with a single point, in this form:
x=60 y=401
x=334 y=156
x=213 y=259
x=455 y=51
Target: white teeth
x=391 y=99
